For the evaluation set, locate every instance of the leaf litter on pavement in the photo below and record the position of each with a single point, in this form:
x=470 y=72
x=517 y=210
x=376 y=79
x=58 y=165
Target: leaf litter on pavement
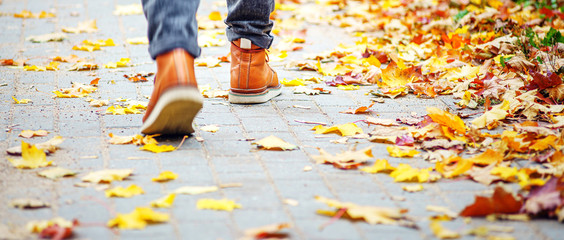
x=502 y=58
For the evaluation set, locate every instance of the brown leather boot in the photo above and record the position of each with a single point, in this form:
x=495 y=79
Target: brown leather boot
x=176 y=99
x=252 y=79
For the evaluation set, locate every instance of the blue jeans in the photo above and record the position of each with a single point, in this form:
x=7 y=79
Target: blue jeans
x=172 y=24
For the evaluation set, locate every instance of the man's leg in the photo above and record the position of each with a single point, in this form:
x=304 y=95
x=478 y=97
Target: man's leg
x=173 y=44
x=248 y=29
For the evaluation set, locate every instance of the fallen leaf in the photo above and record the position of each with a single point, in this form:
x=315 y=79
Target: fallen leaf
x=29 y=14
x=133 y=139
x=31 y=158
x=380 y=166
x=347 y=129
x=293 y=83
x=28 y=203
x=545 y=198
x=501 y=202
x=412 y=188
x=406 y=173
x=446 y=119
x=380 y=121
x=218 y=205
x=122 y=192
x=50 y=37
x=194 y=190
x=360 y=110
x=442 y=232
x=21 y=101
x=32 y=133
x=400 y=152
x=442 y=210
x=56 y=232
x=138 y=218
x=370 y=214
x=267 y=232
x=88 y=26
x=123 y=62
x=210 y=128
x=208 y=61
x=107 y=175
x=39 y=225
x=274 y=143
x=345 y=160
x=165 y=176
x=137 y=41
x=151 y=147
x=164 y=202
x=56 y=172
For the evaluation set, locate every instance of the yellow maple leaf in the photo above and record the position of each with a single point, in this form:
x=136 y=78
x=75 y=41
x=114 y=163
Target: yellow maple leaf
x=442 y=232
x=53 y=66
x=214 y=204
x=107 y=175
x=31 y=158
x=274 y=143
x=293 y=83
x=446 y=119
x=396 y=151
x=151 y=147
x=29 y=14
x=164 y=202
x=21 y=101
x=165 y=176
x=405 y=173
x=123 y=62
x=380 y=166
x=138 y=218
x=347 y=129
x=122 y=192
x=506 y=173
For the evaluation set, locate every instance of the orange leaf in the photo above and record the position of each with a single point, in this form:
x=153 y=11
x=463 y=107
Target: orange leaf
x=446 y=119
x=501 y=202
x=488 y=157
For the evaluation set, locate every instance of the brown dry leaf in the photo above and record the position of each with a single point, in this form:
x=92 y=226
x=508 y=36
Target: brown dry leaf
x=370 y=214
x=350 y=159
x=274 y=143
x=28 y=203
x=267 y=232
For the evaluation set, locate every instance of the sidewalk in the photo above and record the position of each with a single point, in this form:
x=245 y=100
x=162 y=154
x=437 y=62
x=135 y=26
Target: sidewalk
x=267 y=178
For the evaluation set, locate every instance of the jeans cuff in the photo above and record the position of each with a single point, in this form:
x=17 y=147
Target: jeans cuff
x=164 y=46
x=263 y=41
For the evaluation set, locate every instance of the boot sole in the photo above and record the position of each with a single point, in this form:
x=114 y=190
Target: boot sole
x=174 y=112
x=241 y=98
